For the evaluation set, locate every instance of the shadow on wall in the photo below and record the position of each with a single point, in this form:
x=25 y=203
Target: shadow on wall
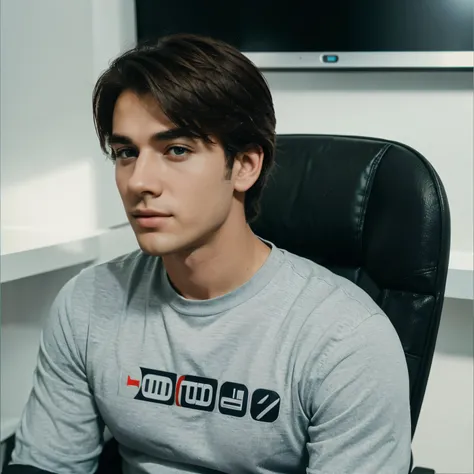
x=375 y=81
x=456 y=330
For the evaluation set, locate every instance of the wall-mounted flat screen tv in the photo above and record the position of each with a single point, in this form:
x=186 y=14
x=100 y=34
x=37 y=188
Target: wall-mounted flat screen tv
x=328 y=34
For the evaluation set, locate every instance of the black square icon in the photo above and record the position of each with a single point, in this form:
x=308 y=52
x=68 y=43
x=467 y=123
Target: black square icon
x=197 y=393
x=233 y=399
x=265 y=405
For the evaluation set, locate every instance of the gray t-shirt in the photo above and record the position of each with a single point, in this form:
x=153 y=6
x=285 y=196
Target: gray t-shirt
x=296 y=371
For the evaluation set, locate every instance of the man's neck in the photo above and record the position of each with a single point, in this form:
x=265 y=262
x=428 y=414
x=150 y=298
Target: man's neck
x=219 y=267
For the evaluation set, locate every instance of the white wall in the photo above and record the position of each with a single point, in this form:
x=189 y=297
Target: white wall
x=444 y=436
x=47 y=145
x=51 y=53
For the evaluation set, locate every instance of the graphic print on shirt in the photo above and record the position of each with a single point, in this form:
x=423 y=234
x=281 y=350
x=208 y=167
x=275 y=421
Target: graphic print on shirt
x=265 y=405
x=196 y=392
x=156 y=386
x=233 y=399
x=199 y=393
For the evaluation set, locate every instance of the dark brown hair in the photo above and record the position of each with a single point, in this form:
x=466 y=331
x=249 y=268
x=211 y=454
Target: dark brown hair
x=201 y=84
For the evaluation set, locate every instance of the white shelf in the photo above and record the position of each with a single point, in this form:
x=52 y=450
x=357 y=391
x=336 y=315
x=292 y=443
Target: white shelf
x=116 y=242
x=8 y=427
x=27 y=252
x=460 y=283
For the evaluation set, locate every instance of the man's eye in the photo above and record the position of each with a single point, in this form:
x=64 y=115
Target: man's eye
x=124 y=153
x=177 y=150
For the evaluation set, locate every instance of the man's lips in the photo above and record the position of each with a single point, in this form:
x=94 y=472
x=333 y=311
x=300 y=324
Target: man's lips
x=152 y=221
x=149 y=213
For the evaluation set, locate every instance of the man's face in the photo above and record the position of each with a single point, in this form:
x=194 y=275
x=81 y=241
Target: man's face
x=179 y=177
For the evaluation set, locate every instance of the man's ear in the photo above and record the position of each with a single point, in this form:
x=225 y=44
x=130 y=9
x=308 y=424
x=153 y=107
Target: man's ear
x=246 y=169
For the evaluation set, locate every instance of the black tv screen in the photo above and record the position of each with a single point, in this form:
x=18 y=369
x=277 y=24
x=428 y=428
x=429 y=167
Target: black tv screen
x=324 y=33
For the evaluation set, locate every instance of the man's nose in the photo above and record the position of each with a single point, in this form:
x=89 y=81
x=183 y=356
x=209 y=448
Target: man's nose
x=147 y=175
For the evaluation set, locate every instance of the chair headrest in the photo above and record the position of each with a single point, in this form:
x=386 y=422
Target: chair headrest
x=355 y=202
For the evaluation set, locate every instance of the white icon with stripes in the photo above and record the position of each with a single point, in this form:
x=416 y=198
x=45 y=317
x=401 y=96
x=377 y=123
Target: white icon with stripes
x=268 y=408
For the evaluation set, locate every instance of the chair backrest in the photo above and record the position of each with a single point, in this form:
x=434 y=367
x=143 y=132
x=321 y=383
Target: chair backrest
x=374 y=211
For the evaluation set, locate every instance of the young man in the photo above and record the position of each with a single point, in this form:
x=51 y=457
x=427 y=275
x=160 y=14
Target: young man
x=209 y=349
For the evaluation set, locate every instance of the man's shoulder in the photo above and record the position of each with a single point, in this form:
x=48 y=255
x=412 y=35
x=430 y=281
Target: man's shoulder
x=109 y=280
x=113 y=271
x=344 y=321
x=336 y=290
x=334 y=310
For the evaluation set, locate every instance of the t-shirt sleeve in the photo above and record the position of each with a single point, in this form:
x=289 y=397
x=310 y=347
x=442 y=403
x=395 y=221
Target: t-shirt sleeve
x=60 y=429
x=356 y=397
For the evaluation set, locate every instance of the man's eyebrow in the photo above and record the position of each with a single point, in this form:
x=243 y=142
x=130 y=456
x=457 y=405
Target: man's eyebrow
x=116 y=139
x=171 y=134
x=174 y=133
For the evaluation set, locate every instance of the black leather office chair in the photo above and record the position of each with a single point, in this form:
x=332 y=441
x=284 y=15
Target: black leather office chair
x=375 y=212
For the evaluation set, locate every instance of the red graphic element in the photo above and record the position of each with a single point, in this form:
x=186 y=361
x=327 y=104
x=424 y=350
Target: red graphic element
x=178 y=386
x=133 y=382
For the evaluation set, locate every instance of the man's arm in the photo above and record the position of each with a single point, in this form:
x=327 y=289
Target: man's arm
x=358 y=403
x=60 y=429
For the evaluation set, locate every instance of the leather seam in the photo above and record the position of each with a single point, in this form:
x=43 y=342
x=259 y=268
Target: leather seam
x=424 y=271
x=373 y=168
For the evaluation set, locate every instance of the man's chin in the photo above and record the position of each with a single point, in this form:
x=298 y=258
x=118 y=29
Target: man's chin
x=157 y=246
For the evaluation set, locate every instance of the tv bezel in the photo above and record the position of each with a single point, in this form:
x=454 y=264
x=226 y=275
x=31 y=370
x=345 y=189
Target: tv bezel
x=383 y=60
